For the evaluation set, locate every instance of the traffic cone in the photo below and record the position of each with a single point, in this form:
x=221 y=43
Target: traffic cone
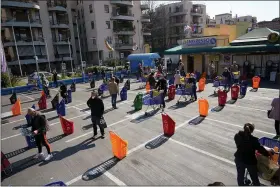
x=16 y=108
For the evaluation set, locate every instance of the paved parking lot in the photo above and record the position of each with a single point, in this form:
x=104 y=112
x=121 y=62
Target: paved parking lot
x=195 y=155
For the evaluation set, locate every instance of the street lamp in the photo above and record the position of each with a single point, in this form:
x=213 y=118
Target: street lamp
x=70 y=54
x=79 y=43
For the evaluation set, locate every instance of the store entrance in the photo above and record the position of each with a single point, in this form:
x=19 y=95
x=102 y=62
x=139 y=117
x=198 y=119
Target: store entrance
x=190 y=67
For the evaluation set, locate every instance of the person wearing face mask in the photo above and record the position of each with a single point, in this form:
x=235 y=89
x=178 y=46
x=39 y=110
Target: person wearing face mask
x=162 y=86
x=192 y=81
x=227 y=76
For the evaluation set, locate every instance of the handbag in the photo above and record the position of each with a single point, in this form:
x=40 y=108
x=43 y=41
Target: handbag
x=268 y=113
x=103 y=122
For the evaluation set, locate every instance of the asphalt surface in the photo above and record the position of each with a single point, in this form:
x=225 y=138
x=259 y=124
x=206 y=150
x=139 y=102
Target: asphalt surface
x=197 y=154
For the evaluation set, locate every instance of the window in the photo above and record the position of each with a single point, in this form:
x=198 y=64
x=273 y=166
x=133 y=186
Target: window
x=110 y=54
x=92 y=24
x=108 y=24
x=106 y=8
x=94 y=41
x=90 y=8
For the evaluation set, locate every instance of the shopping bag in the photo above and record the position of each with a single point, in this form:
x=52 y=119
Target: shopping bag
x=268 y=113
x=103 y=122
x=266 y=167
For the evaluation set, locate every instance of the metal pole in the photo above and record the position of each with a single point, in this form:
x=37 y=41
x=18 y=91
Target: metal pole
x=19 y=64
x=46 y=46
x=31 y=33
x=79 y=45
x=70 y=54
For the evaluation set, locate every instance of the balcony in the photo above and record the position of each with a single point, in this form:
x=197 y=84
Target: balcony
x=179 y=12
x=122 y=16
x=144 y=7
x=146 y=32
x=59 y=24
x=33 y=4
x=9 y=22
x=145 y=18
x=24 y=41
x=59 y=7
x=179 y=23
x=124 y=46
x=123 y=31
x=61 y=41
x=196 y=12
x=122 y=2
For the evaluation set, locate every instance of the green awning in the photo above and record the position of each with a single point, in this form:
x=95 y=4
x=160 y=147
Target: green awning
x=224 y=49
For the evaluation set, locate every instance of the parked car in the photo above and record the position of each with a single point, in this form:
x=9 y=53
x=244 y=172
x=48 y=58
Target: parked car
x=34 y=76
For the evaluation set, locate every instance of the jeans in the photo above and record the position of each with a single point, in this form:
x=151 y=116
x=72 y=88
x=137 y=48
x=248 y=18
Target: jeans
x=96 y=122
x=114 y=99
x=252 y=169
x=41 y=139
x=163 y=99
x=277 y=127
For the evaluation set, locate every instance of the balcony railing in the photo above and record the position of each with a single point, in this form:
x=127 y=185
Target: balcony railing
x=179 y=12
x=63 y=39
x=115 y=13
x=196 y=12
x=14 y=19
x=122 y=2
x=54 y=4
x=59 y=22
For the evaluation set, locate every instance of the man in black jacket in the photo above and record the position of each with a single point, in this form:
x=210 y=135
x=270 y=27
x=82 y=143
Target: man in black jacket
x=247 y=145
x=39 y=127
x=162 y=86
x=97 y=110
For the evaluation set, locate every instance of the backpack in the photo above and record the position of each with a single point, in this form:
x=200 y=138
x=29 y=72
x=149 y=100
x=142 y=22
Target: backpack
x=47 y=127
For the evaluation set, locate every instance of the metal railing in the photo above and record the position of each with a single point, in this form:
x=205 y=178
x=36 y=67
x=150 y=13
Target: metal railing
x=54 y=4
x=59 y=22
x=120 y=29
x=23 y=39
x=115 y=13
x=10 y=19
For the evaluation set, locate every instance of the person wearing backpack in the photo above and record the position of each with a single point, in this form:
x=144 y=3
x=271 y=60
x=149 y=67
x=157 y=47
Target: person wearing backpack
x=39 y=127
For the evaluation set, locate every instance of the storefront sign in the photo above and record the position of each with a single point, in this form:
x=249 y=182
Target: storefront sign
x=199 y=42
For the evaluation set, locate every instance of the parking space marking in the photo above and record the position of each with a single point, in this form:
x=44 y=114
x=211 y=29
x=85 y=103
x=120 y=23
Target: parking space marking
x=247 y=108
x=133 y=150
x=203 y=152
x=231 y=124
x=85 y=134
x=31 y=99
x=50 y=125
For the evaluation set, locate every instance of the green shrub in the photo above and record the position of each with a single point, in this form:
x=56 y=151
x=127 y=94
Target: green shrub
x=15 y=81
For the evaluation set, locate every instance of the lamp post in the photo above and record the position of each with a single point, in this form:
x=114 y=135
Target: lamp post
x=70 y=54
x=47 y=51
x=79 y=43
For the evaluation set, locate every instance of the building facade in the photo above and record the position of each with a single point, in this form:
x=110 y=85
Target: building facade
x=176 y=17
x=33 y=30
x=273 y=24
x=121 y=23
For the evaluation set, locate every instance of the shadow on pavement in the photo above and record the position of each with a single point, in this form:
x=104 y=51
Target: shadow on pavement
x=241 y=96
x=37 y=99
x=253 y=90
x=47 y=110
x=213 y=95
x=86 y=127
x=157 y=142
x=98 y=170
x=29 y=161
x=197 y=120
x=60 y=155
x=145 y=116
x=132 y=111
x=53 y=118
x=217 y=109
x=180 y=105
x=232 y=101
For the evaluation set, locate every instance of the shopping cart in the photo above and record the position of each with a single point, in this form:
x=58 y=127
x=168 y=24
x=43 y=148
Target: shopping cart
x=185 y=92
x=153 y=99
x=267 y=142
x=102 y=88
x=218 y=82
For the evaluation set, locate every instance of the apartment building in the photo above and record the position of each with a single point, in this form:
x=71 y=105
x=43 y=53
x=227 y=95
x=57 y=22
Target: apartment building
x=273 y=24
x=210 y=22
x=123 y=24
x=227 y=19
x=177 y=16
x=42 y=31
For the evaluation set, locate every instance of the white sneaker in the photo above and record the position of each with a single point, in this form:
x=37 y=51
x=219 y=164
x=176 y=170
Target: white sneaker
x=48 y=157
x=39 y=155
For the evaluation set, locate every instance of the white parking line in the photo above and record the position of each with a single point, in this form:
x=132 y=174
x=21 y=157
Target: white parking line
x=240 y=126
x=118 y=182
x=247 y=108
x=50 y=125
x=203 y=152
x=31 y=98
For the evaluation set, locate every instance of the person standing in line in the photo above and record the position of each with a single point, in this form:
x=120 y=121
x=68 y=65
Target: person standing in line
x=192 y=81
x=114 y=91
x=96 y=106
x=275 y=114
x=55 y=78
x=39 y=126
x=152 y=81
x=245 y=157
x=177 y=79
x=162 y=86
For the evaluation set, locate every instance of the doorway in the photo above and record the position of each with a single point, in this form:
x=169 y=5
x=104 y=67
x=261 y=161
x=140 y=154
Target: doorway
x=190 y=64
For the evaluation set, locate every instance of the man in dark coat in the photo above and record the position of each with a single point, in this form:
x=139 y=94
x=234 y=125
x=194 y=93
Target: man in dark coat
x=97 y=110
